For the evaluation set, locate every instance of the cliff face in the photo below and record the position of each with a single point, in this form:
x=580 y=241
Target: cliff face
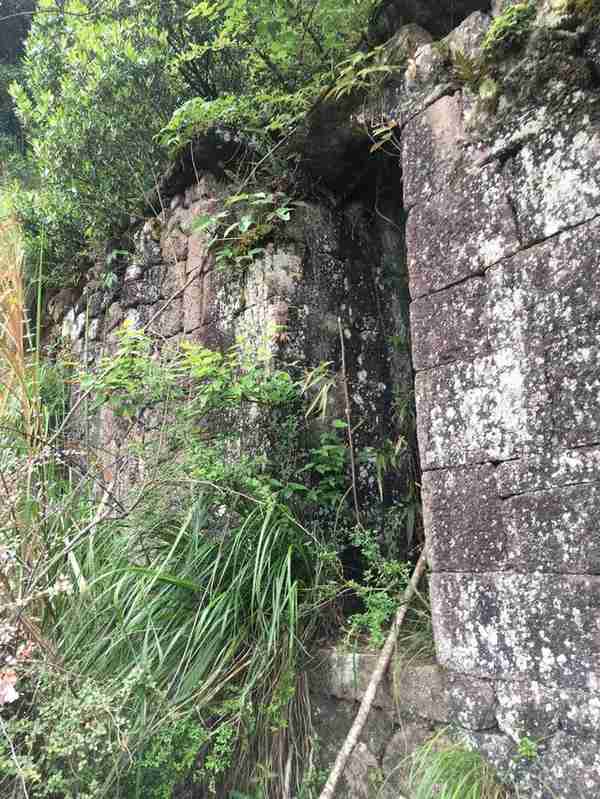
x=499 y=194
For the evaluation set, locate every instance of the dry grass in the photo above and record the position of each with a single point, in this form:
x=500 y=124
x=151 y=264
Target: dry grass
x=18 y=383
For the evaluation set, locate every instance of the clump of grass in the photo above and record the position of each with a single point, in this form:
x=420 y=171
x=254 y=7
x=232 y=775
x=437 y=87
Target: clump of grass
x=214 y=625
x=447 y=770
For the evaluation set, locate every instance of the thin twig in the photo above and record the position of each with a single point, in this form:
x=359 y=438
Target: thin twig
x=376 y=678
x=349 y=423
x=14 y=757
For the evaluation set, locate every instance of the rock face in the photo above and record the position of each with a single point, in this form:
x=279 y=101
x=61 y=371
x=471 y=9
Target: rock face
x=325 y=269
x=503 y=240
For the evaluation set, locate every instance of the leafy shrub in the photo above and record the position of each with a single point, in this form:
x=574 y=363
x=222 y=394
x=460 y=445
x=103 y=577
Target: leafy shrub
x=95 y=88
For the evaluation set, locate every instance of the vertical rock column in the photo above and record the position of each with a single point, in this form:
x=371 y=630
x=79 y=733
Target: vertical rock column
x=504 y=264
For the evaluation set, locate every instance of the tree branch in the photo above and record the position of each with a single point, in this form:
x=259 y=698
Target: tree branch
x=376 y=677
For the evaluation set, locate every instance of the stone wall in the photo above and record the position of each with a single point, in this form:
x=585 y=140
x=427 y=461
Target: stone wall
x=501 y=196
x=326 y=264
x=417 y=700
x=503 y=238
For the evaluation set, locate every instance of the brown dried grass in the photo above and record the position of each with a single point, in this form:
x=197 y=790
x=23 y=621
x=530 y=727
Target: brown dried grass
x=18 y=376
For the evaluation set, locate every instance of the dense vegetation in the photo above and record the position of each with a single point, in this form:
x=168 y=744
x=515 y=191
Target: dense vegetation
x=156 y=618
x=107 y=90
x=155 y=623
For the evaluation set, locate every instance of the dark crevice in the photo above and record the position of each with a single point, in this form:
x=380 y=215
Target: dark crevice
x=472 y=464
x=506 y=154
x=553 y=487
x=458 y=282
x=583 y=446
x=439 y=17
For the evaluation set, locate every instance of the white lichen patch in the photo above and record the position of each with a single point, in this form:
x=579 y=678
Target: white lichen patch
x=556 y=181
x=488 y=420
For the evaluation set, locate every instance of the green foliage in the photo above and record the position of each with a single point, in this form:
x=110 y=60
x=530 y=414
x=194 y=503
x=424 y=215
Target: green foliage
x=68 y=735
x=451 y=771
x=101 y=80
x=468 y=70
x=95 y=88
x=380 y=589
x=14 y=25
x=363 y=72
x=256 y=217
x=510 y=29
x=169 y=757
x=528 y=748
x=286 y=53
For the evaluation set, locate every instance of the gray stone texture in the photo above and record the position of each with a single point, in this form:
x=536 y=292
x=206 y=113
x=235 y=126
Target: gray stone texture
x=503 y=239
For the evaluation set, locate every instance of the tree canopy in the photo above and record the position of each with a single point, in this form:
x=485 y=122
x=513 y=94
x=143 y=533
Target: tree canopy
x=109 y=89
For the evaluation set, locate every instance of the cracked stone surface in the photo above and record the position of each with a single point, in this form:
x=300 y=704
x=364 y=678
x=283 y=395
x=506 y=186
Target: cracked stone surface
x=503 y=239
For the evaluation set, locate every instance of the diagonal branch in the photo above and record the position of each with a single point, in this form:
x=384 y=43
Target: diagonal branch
x=376 y=677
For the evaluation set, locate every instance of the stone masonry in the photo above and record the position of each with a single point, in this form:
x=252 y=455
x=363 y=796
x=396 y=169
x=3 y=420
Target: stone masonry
x=501 y=198
x=503 y=240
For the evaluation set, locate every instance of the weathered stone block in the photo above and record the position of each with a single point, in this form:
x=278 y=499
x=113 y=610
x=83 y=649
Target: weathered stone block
x=469 y=35
x=546 y=470
x=570 y=767
x=114 y=316
x=555 y=178
x=431 y=149
x=421 y=691
x=556 y=530
x=169 y=322
x=477 y=411
x=139 y=292
x=464 y=521
x=450 y=325
x=537 y=711
x=362 y=775
x=346 y=675
x=464 y=228
x=572 y=366
x=514 y=626
x=471 y=702
x=173 y=279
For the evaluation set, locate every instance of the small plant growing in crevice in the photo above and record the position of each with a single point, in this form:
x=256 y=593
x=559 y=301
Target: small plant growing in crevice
x=528 y=748
x=382 y=583
x=509 y=30
x=256 y=217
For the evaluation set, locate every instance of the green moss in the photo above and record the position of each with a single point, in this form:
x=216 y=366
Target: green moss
x=586 y=9
x=510 y=29
x=489 y=93
x=581 y=12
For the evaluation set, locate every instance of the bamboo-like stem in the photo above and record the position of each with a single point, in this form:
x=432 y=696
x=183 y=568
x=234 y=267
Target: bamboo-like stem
x=380 y=669
x=349 y=423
